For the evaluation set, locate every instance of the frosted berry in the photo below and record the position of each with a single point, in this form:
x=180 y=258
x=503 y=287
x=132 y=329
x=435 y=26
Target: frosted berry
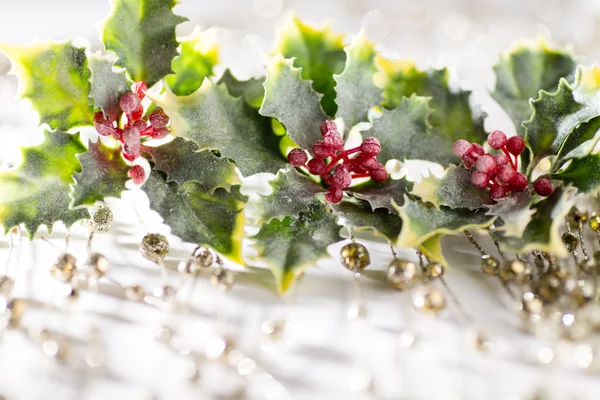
x=160 y=133
x=140 y=124
x=129 y=102
x=139 y=88
x=334 y=194
x=369 y=163
x=138 y=174
x=321 y=150
x=480 y=179
x=477 y=150
x=486 y=164
x=328 y=126
x=501 y=159
x=333 y=140
x=118 y=134
x=506 y=173
x=497 y=192
x=370 y=146
x=497 y=140
x=543 y=187
x=515 y=145
x=379 y=174
x=469 y=161
x=316 y=166
x=519 y=182
x=297 y=157
x=103 y=126
x=138 y=113
x=131 y=143
x=461 y=148
x=342 y=177
x=158 y=119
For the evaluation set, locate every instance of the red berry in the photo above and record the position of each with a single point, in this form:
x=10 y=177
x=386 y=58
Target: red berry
x=131 y=143
x=506 y=173
x=543 y=187
x=469 y=161
x=497 y=192
x=334 y=194
x=333 y=140
x=370 y=146
x=297 y=157
x=104 y=126
x=158 y=119
x=480 y=179
x=160 y=133
x=369 y=163
x=461 y=148
x=515 y=145
x=138 y=174
x=477 y=150
x=139 y=88
x=497 y=140
x=138 y=113
x=149 y=131
x=486 y=164
x=118 y=134
x=342 y=177
x=140 y=124
x=328 y=126
x=316 y=166
x=129 y=102
x=321 y=150
x=379 y=174
x=519 y=182
x=501 y=159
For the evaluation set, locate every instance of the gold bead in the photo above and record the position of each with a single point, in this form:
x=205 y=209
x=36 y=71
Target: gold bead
x=433 y=301
x=585 y=291
x=222 y=279
x=594 y=222
x=6 y=285
x=101 y=218
x=355 y=257
x=576 y=216
x=532 y=304
x=97 y=265
x=548 y=289
x=204 y=257
x=134 y=293
x=65 y=268
x=154 y=247
x=402 y=274
x=434 y=270
x=489 y=264
x=571 y=241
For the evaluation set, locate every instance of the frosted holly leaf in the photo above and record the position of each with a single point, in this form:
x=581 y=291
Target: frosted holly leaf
x=453 y=190
x=107 y=84
x=142 y=34
x=292 y=194
x=37 y=192
x=580 y=143
x=582 y=173
x=103 y=174
x=252 y=90
x=290 y=245
x=197 y=216
x=54 y=77
x=543 y=233
x=358 y=216
x=382 y=194
x=197 y=57
x=514 y=213
x=318 y=52
x=355 y=87
x=291 y=100
x=181 y=160
x=215 y=120
x=523 y=71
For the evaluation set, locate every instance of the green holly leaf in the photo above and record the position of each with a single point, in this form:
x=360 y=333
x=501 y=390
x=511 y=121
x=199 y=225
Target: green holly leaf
x=514 y=213
x=103 y=174
x=292 y=194
x=292 y=244
x=452 y=117
x=356 y=90
x=579 y=143
x=318 y=52
x=251 y=90
x=142 y=34
x=197 y=216
x=108 y=84
x=382 y=194
x=358 y=215
x=582 y=173
x=54 y=77
x=291 y=100
x=453 y=190
x=198 y=55
x=181 y=160
x=215 y=120
x=525 y=70
x=37 y=192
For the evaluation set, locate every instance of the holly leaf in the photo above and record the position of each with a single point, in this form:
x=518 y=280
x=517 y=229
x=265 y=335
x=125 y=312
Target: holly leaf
x=198 y=55
x=292 y=194
x=355 y=88
x=215 y=120
x=103 y=174
x=251 y=90
x=37 y=192
x=292 y=244
x=107 y=84
x=358 y=215
x=525 y=70
x=197 y=216
x=181 y=160
x=582 y=173
x=318 y=52
x=142 y=34
x=54 y=77
x=580 y=142
x=514 y=213
x=453 y=190
x=382 y=194
x=292 y=101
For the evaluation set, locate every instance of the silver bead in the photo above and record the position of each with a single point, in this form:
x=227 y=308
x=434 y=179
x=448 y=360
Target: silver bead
x=65 y=268
x=402 y=274
x=355 y=257
x=154 y=247
x=101 y=218
x=204 y=257
x=222 y=279
x=97 y=265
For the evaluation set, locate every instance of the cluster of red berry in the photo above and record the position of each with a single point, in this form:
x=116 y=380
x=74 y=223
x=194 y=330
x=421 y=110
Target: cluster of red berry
x=131 y=131
x=499 y=172
x=335 y=166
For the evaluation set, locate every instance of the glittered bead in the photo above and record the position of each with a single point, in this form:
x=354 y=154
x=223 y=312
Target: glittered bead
x=434 y=270
x=101 y=218
x=222 y=279
x=16 y=309
x=548 y=289
x=576 y=216
x=489 y=265
x=433 y=301
x=594 y=222
x=189 y=267
x=65 y=268
x=154 y=247
x=97 y=265
x=205 y=257
x=402 y=274
x=570 y=240
x=134 y=293
x=532 y=304
x=355 y=257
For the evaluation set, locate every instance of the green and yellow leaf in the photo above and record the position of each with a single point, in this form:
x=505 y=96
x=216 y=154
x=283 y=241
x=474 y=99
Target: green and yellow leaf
x=107 y=84
x=514 y=213
x=358 y=216
x=582 y=173
x=252 y=90
x=382 y=194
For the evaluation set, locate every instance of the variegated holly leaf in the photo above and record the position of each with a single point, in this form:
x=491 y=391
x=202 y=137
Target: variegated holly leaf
x=251 y=90
x=292 y=194
x=514 y=213
x=452 y=117
x=108 y=84
x=54 y=77
x=215 y=120
x=453 y=190
x=37 y=192
x=525 y=70
x=318 y=52
x=582 y=173
x=580 y=143
x=381 y=194
x=103 y=174
x=542 y=233
x=358 y=216
x=198 y=55
x=181 y=160
x=292 y=101
x=355 y=87
x=292 y=244
x=197 y=216
x=142 y=34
